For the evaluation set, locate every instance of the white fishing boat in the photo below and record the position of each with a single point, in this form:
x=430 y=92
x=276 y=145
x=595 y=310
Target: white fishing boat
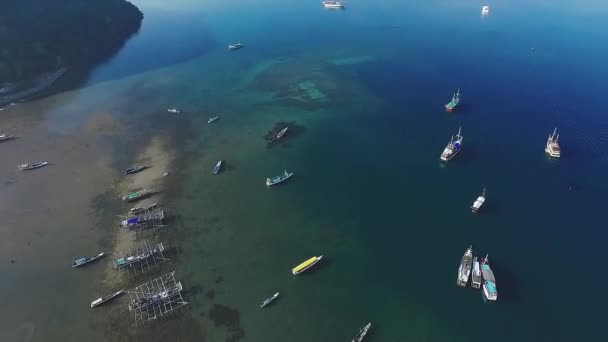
x=485 y=10
x=235 y=46
x=333 y=4
x=479 y=201
x=217 y=167
x=552 y=147
x=104 y=299
x=213 y=119
x=453 y=147
x=173 y=110
x=32 y=166
x=278 y=179
x=464 y=271
x=476 y=274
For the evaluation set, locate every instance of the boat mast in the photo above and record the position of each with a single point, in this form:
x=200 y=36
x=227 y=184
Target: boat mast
x=458 y=93
x=459 y=129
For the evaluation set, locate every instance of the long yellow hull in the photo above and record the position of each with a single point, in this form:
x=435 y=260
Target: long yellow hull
x=306 y=265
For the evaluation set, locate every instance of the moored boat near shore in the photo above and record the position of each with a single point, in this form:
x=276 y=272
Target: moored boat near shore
x=464 y=271
x=85 y=260
x=104 y=299
x=269 y=300
x=32 y=166
x=135 y=169
x=4 y=137
x=278 y=179
x=306 y=265
x=362 y=332
x=137 y=195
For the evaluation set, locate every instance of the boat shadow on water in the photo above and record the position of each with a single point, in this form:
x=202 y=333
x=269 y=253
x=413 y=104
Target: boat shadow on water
x=508 y=284
x=294 y=131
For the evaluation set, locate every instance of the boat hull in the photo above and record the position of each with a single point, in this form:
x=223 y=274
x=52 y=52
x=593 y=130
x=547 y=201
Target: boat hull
x=306 y=265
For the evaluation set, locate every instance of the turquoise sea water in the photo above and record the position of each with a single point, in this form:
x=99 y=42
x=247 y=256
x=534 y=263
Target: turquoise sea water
x=364 y=90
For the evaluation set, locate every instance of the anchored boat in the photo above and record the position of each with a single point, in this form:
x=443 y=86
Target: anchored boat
x=489 y=283
x=148 y=300
x=453 y=147
x=485 y=9
x=282 y=133
x=455 y=100
x=269 y=300
x=135 y=169
x=173 y=110
x=4 y=137
x=137 y=195
x=137 y=210
x=333 y=4
x=235 y=46
x=104 y=299
x=130 y=260
x=213 y=119
x=217 y=167
x=32 y=166
x=306 y=265
x=552 y=148
x=362 y=332
x=464 y=271
x=85 y=260
x=479 y=201
x=278 y=179
x=476 y=275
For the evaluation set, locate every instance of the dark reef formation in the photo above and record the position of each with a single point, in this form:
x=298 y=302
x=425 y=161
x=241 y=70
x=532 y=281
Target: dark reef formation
x=42 y=36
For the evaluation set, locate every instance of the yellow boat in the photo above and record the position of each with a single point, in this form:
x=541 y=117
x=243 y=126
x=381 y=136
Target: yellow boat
x=306 y=265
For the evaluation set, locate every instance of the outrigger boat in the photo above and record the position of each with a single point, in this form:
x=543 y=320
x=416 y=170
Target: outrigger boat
x=85 y=260
x=455 y=100
x=146 y=301
x=362 y=332
x=130 y=260
x=137 y=195
x=217 y=167
x=137 y=210
x=104 y=299
x=552 y=148
x=135 y=169
x=476 y=274
x=464 y=271
x=32 y=166
x=333 y=4
x=235 y=46
x=213 y=119
x=269 y=300
x=489 y=283
x=4 y=137
x=306 y=265
x=453 y=147
x=142 y=218
x=479 y=201
x=282 y=133
x=278 y=179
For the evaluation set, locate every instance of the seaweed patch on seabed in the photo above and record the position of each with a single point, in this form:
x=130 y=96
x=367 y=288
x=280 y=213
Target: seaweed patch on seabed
x=293 y=130
x=302 y=84
x=231 y=319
